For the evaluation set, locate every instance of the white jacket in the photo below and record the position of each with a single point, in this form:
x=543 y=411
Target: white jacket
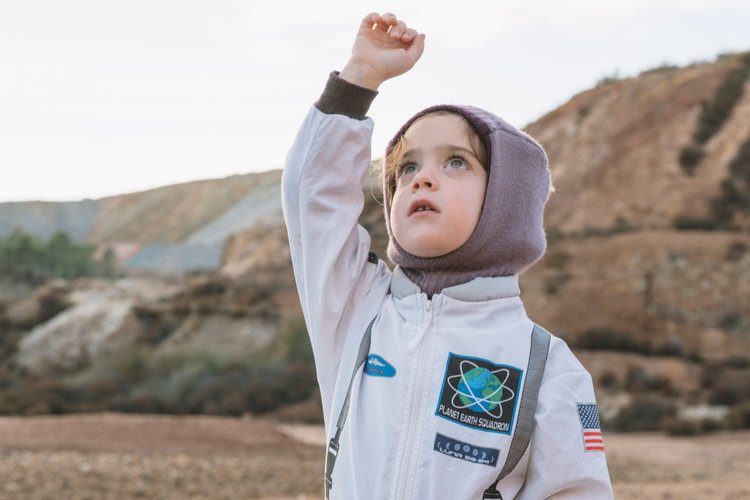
x=433 y=413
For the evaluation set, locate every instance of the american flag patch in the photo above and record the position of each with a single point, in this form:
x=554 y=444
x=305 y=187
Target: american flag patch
x=592 y=432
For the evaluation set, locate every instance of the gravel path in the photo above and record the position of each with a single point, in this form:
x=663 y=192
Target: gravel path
x=113 y=456
x=117 y=456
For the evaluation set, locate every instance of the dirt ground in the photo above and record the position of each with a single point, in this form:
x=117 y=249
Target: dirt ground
x=115 y=456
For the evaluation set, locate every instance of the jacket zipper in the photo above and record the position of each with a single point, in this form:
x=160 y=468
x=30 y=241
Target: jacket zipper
x=404 y=470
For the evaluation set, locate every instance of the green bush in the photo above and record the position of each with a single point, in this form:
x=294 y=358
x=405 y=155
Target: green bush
x=9 y=339
x=735 y=251
x=645 y=413
x=739 y=416
x=40 y=396
x=675 y=426
x=728 y=93
x=730 y=321
x=639 y=381
x=606 y=339
x=687 y=223
x=298 y=348
x=557 y=259
x=614 y=77
x=674 y=348
x=730 y=387
x=739 y=167
x=690 y=156
x=715 y=112
x=735 y=189
x=737 y=362
x=553 y=283
x=309 y=411
x=26 y=259
x=608 y=380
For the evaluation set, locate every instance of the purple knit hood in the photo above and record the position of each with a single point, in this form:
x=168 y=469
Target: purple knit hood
x=509 y=236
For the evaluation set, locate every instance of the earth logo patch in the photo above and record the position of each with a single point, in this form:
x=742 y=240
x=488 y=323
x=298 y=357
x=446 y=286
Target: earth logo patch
x=479 y=393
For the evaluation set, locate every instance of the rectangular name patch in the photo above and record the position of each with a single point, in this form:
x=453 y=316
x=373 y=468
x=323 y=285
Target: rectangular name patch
x=465 y=451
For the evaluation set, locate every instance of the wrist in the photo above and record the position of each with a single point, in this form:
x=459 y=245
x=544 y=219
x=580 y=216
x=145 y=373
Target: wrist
x=361 y=74
x=345 y=98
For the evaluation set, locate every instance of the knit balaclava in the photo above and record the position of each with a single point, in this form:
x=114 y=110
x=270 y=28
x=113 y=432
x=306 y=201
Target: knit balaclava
x=509 y=236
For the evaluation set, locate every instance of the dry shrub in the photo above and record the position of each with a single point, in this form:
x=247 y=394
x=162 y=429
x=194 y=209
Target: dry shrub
x=729 y=386
x=739 y=416
x=608 y=339
x=675 y=426
x=639 y=380
x=645 y=413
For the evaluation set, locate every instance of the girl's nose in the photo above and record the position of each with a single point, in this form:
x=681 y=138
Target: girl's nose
x=424 y=179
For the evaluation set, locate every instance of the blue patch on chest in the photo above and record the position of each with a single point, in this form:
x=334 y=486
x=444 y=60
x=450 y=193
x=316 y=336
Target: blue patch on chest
x=465 y=451
x=376 y=366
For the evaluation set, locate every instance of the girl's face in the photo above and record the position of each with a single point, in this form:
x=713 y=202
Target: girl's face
x=440 y=187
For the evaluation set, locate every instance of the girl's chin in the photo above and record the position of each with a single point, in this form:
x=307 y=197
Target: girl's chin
x=428 y=241
x=427 y=250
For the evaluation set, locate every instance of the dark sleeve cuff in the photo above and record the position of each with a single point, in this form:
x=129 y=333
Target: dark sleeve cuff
x=343 y=98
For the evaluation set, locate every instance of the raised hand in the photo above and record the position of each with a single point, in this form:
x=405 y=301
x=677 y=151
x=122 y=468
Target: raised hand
x=384 y=48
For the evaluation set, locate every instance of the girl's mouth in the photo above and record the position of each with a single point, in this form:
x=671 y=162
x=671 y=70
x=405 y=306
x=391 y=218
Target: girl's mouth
x=420 y=206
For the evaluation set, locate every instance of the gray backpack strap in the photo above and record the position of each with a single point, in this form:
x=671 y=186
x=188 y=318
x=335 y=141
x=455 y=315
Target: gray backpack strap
x=333 y=445
x=540 y=339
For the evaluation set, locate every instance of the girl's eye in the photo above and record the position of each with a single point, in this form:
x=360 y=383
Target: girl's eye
x=457 y=163
x=406 y=169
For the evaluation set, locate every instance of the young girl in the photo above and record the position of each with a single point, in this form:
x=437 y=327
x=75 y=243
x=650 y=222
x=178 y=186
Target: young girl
x=461 y=394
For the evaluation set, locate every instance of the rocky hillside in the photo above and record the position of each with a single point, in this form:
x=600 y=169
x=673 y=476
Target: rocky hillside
x=616 y=149
x=647 y=273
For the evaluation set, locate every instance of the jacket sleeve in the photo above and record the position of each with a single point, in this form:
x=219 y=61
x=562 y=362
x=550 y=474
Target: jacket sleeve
x=322 y=199
x=559 y=465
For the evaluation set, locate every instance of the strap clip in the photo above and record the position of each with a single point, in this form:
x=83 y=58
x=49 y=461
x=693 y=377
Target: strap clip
x=492 y=493
x=333 y=447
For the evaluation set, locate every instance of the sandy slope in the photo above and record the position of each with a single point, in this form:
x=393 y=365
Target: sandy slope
x=138 y=456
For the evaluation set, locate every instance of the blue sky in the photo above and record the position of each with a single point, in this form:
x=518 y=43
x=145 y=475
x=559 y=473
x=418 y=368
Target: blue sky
x=102 y=97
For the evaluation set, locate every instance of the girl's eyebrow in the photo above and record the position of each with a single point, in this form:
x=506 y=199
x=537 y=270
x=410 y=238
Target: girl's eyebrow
x=414 y=153
x=452 y=148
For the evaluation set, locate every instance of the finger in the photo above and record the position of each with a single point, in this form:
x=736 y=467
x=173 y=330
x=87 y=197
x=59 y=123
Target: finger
x=369 y=21
x=374 y=21
x=397 y=30
x=390 y=18
x=409 y=35
x=382 y=23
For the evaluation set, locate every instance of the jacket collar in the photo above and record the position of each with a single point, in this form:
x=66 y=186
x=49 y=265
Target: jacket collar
x=476 y=290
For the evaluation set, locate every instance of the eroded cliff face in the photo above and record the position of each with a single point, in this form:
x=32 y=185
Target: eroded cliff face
x=666 y=291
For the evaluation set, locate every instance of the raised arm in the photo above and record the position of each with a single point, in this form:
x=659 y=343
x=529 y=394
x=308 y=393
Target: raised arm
x=322 y=195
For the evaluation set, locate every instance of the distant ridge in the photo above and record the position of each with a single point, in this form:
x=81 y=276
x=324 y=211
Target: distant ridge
x=44 y=218
x=174 y=229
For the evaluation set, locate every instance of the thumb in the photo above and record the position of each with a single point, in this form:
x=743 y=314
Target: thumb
x=416 y=48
